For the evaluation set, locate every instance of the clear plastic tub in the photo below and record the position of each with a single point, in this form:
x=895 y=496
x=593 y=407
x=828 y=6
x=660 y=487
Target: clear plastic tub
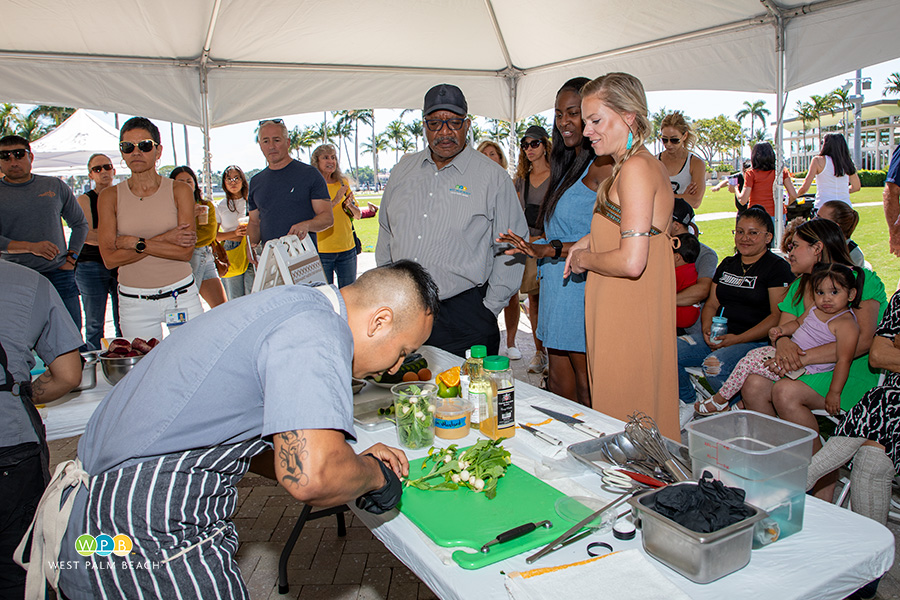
x=766 y=457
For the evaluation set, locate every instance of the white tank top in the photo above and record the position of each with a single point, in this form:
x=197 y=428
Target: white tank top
x=682 y=178
x=829 y=187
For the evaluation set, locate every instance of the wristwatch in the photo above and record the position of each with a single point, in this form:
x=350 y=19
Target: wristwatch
x=74 y=255
x=140 y=246
x=557 y=248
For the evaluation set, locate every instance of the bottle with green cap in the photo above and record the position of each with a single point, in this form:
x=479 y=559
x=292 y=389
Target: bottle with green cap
x=500 y=420
x=472 y=371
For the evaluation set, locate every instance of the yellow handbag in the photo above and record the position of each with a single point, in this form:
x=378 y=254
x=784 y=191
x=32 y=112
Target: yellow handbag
x=238 y=260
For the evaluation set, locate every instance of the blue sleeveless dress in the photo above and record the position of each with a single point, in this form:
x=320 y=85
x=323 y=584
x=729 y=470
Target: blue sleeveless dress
x=561 y=310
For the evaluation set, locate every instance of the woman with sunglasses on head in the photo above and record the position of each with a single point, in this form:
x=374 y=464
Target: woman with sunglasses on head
x=575 y=175
x=833 y=171
x=337 y=244
x=95 y=281
x=814 y=242
x=147 y=229
x=760 y=177
x=232 y=215
x=746 y=290
x=203 y=265
x=686 y=170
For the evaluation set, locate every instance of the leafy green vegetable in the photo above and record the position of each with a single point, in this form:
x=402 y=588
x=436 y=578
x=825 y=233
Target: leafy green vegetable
x=414 y=416
x=478 y=468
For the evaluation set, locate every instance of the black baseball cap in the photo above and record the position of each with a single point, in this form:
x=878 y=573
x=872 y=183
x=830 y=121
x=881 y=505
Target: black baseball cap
x=445 y=96
x=536 y=132
x=682 y=212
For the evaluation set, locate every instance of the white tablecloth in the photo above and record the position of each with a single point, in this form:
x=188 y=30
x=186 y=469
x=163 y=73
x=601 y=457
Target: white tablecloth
x=67 y=416
x=837 y=551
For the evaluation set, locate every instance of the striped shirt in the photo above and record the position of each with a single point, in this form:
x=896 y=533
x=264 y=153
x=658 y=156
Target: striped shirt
x=448 y=220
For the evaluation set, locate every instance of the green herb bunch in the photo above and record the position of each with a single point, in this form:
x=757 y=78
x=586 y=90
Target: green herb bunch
x=414 y=416
x=478 y=468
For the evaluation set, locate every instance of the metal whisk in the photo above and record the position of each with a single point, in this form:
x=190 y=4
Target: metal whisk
x=642 y=430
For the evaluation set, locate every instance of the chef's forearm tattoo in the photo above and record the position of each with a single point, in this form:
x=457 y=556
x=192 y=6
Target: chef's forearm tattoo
x=291 y=455
x=39 y=387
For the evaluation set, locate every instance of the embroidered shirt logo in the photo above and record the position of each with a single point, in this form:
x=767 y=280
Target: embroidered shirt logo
x=460 y=190
x=47 y=194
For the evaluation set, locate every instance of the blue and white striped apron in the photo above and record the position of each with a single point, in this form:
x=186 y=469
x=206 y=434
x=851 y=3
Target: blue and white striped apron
x=176 y=511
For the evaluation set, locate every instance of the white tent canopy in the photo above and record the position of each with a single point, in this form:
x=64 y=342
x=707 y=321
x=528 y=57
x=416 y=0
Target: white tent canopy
x=67 y=149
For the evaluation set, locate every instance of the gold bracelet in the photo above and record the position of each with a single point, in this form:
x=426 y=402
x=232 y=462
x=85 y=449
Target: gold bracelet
x=632 y=233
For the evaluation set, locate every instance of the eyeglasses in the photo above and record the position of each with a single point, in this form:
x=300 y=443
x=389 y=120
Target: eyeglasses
x=752 y=234
x=532 y=144
x=18 y=153
x=106 y=167
x=438 y=124
x=143 y=146
x=668 y=140
x=233 y=179
x=276 y=121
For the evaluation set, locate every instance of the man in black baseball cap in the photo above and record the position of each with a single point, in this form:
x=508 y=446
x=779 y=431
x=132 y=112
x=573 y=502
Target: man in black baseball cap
x=443 y=208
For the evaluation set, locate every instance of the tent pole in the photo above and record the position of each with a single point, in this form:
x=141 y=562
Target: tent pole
x=779 y=122
x=207 y=157
x=513 y=155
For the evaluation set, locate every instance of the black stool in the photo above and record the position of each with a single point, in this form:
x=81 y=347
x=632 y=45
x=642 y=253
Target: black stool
x=306 y=515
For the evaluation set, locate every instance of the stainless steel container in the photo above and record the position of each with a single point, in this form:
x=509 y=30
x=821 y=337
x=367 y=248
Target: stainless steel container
x=88 y=372
x=701 y=557
x=114 y=369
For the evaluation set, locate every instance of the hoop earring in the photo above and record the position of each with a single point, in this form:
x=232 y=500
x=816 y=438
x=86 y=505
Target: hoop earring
x=629 y=142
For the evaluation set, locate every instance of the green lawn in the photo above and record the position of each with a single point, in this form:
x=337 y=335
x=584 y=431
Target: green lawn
x=871 y=234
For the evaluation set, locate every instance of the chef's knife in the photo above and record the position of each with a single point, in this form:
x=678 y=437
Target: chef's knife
x=514 y=533
x=541 y=435
x=574 y=423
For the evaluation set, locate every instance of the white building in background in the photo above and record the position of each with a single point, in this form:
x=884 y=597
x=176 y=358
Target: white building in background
x=880 y=134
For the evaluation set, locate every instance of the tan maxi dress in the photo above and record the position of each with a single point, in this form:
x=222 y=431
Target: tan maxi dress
x=630 y=327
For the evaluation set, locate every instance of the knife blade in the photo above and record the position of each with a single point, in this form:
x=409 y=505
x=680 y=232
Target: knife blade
x=541 y=435
x=573 y=422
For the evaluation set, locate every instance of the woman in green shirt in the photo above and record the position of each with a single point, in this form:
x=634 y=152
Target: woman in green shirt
x=816 y=241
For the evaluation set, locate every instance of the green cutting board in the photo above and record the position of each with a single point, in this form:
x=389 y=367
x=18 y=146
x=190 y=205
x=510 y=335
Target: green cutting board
x=466 y=518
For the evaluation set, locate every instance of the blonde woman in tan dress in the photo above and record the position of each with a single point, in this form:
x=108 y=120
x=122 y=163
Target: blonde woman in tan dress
x=630 y=290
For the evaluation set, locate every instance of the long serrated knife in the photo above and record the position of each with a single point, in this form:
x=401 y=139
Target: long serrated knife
x=573 y=422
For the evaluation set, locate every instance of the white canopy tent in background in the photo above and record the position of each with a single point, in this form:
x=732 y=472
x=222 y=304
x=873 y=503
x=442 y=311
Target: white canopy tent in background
x=217 y=62
x=67 y=149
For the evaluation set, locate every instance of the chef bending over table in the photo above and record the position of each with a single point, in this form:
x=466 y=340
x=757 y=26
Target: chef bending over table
x=161 y=456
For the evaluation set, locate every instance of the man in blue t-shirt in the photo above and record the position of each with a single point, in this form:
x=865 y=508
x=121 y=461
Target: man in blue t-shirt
x=287 y=197
x=891 y=197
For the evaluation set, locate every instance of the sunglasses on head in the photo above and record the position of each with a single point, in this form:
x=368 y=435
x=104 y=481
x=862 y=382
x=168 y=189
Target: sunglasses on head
x=668 y=140
x=143 y=146
x=106 y=167
x=18 y=153
x=532 y=144
x=276 y=121
x=438 y=124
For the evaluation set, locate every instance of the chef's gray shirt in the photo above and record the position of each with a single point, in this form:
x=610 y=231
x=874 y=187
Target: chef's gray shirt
x=277 y=360
x=448 y=219
x=32 y=317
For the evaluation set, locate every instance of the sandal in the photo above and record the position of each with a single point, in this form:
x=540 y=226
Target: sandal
x=710 y=407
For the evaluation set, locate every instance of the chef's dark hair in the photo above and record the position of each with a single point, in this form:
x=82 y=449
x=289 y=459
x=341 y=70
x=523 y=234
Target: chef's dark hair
x=426 y=290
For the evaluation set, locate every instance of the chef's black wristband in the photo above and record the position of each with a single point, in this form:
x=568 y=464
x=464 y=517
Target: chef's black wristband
x=384 y=498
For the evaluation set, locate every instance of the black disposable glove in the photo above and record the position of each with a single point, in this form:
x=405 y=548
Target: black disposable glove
x=384 y=498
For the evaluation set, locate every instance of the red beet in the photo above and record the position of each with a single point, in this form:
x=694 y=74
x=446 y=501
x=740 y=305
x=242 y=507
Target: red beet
x=139 y=345
x=153 y=342
x=119 y=346
x=131 y=354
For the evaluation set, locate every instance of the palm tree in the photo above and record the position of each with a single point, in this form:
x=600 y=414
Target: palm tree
x=497 y=130
x=416 y=130
x=397 y=133
x=539 y=120
x=807 y=115
x=842 y=99
x=754 y=110
x=656 y=120
x=892 y=85
x=9 y=117
x=822 y=104
x=31 y=128
x=376 y=144
x=55 y=114
x=365 y=115
x=342 y=129
x=477 y=130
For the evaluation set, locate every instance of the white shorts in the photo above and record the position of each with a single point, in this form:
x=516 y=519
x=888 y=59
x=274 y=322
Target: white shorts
x=144 y=317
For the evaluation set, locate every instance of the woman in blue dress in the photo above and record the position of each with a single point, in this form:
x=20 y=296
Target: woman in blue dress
x=575 y=176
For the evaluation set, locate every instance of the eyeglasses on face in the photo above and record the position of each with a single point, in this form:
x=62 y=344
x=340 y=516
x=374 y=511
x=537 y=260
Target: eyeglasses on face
x=752 y=234
x=143 y=146
x=267 y=121
x=532 y=144
x=106 y=167
x=667 y=140
x=233 y=179
x=18 y=154
x=438 y=124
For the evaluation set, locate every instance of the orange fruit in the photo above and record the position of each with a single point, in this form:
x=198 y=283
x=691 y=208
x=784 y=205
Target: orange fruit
x=450 y=377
